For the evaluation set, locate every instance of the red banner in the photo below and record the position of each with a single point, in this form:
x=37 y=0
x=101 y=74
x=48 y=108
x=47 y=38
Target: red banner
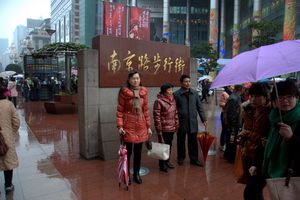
x=139 y=23
x=114 y=19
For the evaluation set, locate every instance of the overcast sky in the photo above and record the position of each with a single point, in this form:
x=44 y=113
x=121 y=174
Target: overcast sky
x=15 y=12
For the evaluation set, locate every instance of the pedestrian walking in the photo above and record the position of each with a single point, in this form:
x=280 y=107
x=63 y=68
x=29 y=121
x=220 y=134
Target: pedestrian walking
x=188 y=106
x=9 y=124
x=222 y=103
x=133 y=120
x=12 y=87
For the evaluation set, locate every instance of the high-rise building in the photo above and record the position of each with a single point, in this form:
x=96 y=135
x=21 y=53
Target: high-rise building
x=65 y=20
x=20 y=34
x=87 y=20
x=3 y=48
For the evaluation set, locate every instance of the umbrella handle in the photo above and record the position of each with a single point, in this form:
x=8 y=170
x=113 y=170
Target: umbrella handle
x=277 y=97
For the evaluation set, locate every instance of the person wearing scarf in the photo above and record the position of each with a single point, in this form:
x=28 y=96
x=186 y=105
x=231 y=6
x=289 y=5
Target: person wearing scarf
x=133 y=120
x=165 y=120
x=252 y=138
x=283 y=145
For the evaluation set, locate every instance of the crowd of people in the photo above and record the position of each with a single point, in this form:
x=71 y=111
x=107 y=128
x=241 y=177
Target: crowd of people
x=262 y=122
x=34 y=89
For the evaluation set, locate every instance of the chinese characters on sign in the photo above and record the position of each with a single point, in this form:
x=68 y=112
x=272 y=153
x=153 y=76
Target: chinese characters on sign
x=145 y=63
x=114 y=22
x=157 y=62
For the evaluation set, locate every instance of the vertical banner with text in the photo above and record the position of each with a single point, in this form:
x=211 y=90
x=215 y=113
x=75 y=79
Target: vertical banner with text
x=114 y=19
x=139 y=23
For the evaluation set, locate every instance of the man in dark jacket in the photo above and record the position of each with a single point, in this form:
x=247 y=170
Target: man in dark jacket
x=233 y=121
x=188 y=105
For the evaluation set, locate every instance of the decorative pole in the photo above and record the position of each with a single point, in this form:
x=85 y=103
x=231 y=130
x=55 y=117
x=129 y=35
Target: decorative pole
x=236 y=28
x=166 y=21
x=213 y=24
x=222 y=42
x=289 y=26
x=187 y=27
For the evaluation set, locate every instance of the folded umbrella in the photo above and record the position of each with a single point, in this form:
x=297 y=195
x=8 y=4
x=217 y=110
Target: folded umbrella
x=123 y=173
x=205 y=140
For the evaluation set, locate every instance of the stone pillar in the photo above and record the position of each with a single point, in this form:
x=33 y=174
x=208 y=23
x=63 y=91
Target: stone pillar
x=222 y=43
x=88 y=103
x=213 y=24
x=236 y=29
x=166 y=21
x=289 y=26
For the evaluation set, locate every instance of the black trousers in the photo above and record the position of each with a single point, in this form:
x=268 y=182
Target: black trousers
x=192 y=146
x=168 y=138
x=137 y=154
x=223 y=132
x=8 y=175
x=254 y=188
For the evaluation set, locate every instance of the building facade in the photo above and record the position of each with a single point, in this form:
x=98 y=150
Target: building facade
x=270 y=10
x=192 y=22
x=3 y=49
x=20 y=34
x=65 y=20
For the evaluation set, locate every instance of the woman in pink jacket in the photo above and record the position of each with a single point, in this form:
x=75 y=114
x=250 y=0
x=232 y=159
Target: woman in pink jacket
x=133 y=120
x=165 y=120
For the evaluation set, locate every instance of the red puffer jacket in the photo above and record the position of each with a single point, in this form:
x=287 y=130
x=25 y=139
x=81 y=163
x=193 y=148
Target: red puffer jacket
x=135 y=127
x=165 y=114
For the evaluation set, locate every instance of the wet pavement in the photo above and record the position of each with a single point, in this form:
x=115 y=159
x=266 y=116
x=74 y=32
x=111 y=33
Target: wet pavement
x=51 y=168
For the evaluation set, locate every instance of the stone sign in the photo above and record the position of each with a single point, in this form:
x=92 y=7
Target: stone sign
x=157 y=62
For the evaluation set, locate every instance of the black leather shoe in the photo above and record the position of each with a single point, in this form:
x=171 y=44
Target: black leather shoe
x=180 y=162
x=137 y=179
x=163 y=169
x=170 y=165
x=129 y=180
x=197 y=163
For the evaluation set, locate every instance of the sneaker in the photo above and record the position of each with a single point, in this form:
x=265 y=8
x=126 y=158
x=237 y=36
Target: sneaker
x=9 y=189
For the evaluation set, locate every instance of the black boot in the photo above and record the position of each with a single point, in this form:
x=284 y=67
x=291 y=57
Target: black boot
x=137 y=178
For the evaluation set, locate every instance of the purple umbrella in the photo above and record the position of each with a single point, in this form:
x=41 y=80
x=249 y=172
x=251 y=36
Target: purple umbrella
x=263 y=62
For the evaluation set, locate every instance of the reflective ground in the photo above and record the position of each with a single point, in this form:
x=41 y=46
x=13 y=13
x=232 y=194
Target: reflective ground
x=51 y=168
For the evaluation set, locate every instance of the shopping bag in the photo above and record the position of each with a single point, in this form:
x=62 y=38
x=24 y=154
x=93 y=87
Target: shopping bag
x=159 y=151
x=239 y=168
x=280 y=189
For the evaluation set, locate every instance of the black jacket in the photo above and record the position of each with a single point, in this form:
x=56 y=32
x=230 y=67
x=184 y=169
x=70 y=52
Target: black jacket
x=188 y=105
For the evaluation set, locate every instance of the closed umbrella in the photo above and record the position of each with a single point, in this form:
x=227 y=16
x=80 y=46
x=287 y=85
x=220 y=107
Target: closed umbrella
x=205 y=140
x=123 y=173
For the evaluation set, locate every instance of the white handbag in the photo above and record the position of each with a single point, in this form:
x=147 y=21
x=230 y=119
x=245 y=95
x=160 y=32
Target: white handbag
x=159 y=151
x=279 y=191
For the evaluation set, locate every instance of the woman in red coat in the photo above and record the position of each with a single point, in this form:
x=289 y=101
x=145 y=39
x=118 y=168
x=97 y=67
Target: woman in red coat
x=133 y=120
x=165 y=120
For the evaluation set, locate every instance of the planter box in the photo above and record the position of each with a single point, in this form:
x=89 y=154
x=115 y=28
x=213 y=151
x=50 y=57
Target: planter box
x=62 y=104
x=72 y=99
x=55 y=107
